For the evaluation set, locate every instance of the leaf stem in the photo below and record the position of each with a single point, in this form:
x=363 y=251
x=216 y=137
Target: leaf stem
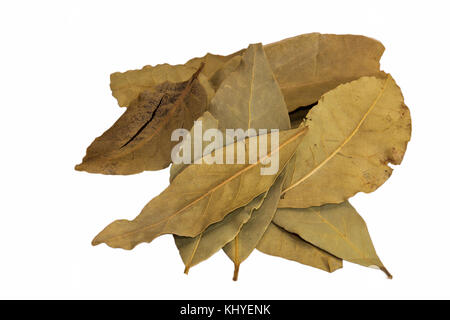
x=236 y=271
x=186 y=270
x=382 y=268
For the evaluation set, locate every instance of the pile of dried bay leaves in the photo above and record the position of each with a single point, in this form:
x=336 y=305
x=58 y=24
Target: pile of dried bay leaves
x=341 y=122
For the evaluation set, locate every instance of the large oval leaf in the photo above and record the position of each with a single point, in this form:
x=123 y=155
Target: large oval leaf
x=200 y=196
x=126 y=86
x=354 y=132
x=309 y=65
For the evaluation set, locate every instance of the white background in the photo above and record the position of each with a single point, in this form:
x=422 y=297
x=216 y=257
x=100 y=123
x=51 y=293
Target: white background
x=55 y=61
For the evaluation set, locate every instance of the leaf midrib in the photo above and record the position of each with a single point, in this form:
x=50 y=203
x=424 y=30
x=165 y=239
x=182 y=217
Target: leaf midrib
x=339 y=148
x=177 y=103
x=341 y=235
x=252 y=83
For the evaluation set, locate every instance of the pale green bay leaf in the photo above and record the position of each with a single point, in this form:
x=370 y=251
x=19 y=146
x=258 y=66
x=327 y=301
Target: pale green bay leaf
x=335 y=228
x=280 y=243
x=250 y=97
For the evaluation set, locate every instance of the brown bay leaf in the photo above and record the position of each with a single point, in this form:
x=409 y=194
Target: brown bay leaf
x=308 y=65
x=252 y=231
x=140 y=138
x=335 y=228
x=280 y=243
x=200 y=196
x=354 y=132
x=126 y=86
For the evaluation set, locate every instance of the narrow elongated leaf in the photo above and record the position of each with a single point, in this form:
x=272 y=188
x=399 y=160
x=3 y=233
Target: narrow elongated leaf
x=140 y=139
x=336 y=228
x=280 y=243
x=250 y=96
x=309 y=65
x=354 y=132
x=126 y=86
x=197 y=249
x=200 y=196
x=252 y=231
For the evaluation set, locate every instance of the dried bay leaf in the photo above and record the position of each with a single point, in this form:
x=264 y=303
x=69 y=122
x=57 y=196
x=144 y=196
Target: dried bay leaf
x=308 y=65
x=335 y=228
x=328 y=85
x=197 y=249
x=140 y=138
x=200 y=196
x=354 y=132
x=126 y=86
x=250 y=96
x=280 y=243
x=252 y=231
